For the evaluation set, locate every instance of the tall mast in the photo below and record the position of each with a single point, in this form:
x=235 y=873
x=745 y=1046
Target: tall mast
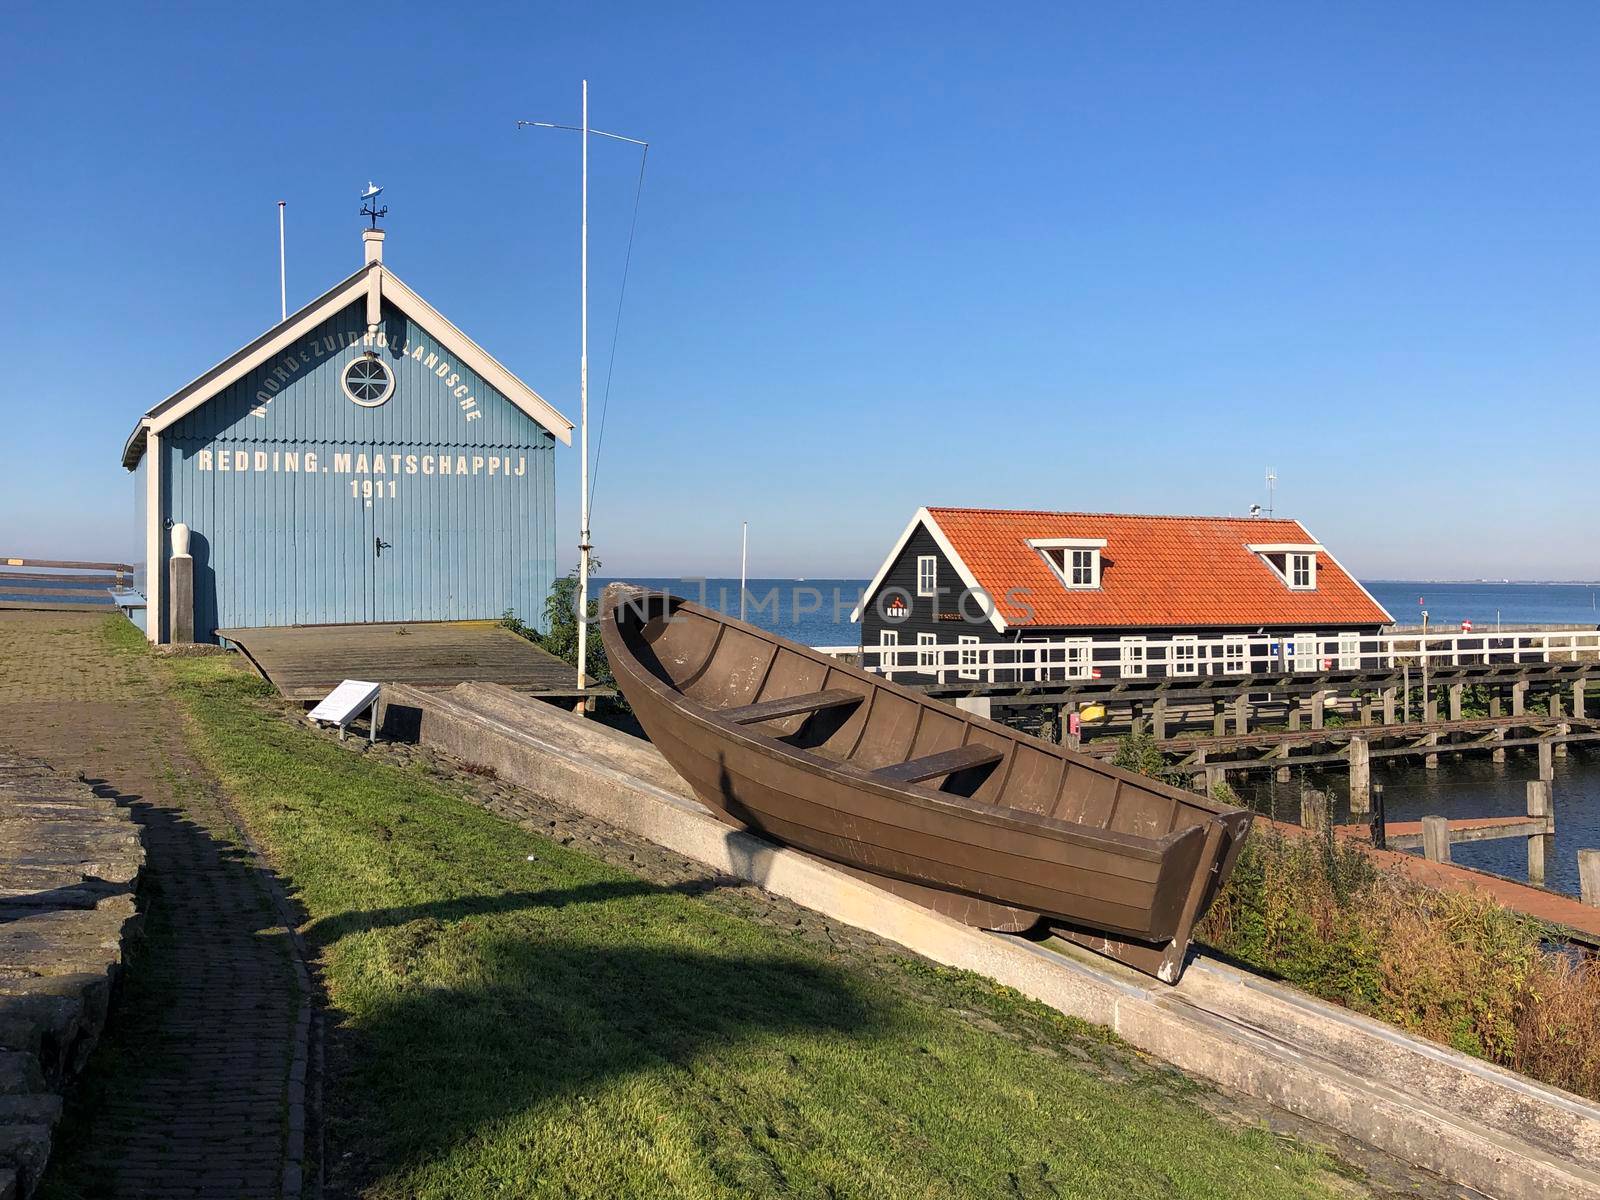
x=583 y=407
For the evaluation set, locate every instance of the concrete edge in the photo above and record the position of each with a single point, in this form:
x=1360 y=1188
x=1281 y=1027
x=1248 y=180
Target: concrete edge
x=1154 y=1018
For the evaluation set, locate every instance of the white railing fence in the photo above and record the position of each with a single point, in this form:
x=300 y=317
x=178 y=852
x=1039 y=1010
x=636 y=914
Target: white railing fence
x=1254 y=654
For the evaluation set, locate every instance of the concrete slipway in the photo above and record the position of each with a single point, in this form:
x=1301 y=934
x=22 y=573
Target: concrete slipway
x=1466 y=1120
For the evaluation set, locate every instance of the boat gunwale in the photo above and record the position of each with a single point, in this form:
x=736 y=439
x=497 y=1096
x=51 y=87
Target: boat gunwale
x=846 y=773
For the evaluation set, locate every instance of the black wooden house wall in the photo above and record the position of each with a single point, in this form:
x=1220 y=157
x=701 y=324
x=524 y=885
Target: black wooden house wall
x=940 y=615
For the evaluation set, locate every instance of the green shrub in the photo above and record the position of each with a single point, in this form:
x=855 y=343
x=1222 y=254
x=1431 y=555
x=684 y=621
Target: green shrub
x=1454 y=967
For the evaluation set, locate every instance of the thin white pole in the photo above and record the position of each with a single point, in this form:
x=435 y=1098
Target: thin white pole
x=283 y=285
x=583 y=409
x=744 y=559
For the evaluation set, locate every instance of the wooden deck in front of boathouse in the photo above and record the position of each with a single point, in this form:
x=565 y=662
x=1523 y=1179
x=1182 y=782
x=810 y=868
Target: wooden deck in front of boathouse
x=306 y=662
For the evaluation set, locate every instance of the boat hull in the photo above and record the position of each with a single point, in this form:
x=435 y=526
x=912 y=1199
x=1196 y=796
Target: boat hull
x=1132 y=885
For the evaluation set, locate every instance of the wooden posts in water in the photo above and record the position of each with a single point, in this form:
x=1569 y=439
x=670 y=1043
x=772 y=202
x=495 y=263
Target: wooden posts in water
x=1360 y=775
x=1241 y=714
x=1389 y=696
x=1579 y=697
x=1314 y=810
x=1436 y=839
x=1457 y=691
x=1319 y=700
x=1589 y=877
x=1430 y=762
x=1547 y=762
x=1539 y=805
x=1519 y=698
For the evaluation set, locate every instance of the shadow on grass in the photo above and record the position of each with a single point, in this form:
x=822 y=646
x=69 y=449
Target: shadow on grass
x=528 y=1029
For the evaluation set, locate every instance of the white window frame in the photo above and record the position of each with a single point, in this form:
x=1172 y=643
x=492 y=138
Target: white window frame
x=1235 y=656
x=1293 y=562
x=1058 y=553
x=1131 y=665
x=1304 y=655
x=1185 y=653
x=1089 y=568
x=927 y=574
x=926 y=657
x=1289 y=552
x=1349 y=651
x=1080 y=657
x=888 y=639
x=967 y=656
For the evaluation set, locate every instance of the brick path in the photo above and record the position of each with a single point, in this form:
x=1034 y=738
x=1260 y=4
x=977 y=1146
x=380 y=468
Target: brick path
x=191 y=1093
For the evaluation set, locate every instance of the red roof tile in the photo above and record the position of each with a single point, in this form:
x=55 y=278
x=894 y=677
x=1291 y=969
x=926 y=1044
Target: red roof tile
x=1186 y=572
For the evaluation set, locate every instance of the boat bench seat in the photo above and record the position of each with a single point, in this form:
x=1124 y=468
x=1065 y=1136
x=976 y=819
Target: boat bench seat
x=945 y=762
x=791 y=706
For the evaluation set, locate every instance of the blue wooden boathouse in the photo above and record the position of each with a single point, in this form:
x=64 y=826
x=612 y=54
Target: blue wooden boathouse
x=362 y=461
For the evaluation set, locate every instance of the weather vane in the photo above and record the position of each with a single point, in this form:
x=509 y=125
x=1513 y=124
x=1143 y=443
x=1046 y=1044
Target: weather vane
x=369 y=209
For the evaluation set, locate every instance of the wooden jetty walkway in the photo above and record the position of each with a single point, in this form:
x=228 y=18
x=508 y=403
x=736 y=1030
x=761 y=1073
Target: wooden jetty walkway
x=306 y=662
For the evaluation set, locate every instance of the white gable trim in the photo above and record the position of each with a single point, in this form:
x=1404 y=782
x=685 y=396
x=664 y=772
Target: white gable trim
x=925 y=519
x=1388 y=617
x=366 y=283
x=475 y=356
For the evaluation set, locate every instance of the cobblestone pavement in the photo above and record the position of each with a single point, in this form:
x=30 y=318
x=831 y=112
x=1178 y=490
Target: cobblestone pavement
x=190 y=1093
x=1374 y=1173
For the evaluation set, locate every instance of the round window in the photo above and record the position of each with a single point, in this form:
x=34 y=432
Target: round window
x=368 y=381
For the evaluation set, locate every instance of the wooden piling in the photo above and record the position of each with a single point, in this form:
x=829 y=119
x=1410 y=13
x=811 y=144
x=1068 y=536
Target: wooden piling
x=1241 y=713
x=1579 y=698
x=1360 y=776
x=1389 y=696
x=1589 y=876
x=1436 y=839
x=1457 y=691
x=1314 y=809
x=1430 y=762
x=1562 y=730
x=1430 y=707
x=1319 y=700
x=1539 y=806
x=1547 y=761
x=1215 y=777
x=1219 y=719
x=1519 y=698
x=1499 y=754
x=1158 y=719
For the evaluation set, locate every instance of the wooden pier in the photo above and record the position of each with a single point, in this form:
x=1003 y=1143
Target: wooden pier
x=62 y=584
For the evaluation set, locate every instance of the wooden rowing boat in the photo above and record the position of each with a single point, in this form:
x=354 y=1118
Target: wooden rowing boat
x=980 y=822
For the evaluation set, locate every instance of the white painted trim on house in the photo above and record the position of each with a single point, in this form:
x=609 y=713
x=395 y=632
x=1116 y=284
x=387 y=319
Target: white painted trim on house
x=1387 y=615
x=925 y=519
x=475 y=356
x=155 y=561
x=1286 y=548
x=1067 y=543
x=370 y=281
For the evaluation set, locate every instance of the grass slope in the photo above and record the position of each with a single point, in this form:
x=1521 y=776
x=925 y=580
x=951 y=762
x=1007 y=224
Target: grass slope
x=526 y=1021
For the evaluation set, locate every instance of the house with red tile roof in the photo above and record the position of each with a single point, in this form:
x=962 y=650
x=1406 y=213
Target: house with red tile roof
x=1114 y=594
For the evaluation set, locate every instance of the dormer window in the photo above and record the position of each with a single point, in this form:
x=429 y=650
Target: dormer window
x=1075 y=560
x=1293 y=563
x=1302 y=571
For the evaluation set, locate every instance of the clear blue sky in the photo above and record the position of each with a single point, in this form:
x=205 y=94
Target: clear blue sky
x=1091 y=257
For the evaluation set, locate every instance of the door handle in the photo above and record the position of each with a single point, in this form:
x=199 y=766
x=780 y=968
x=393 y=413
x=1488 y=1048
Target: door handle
x=379 y=546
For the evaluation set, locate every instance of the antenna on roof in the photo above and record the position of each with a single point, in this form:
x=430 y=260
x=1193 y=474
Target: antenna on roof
x=368 y=206
x=1272 y=488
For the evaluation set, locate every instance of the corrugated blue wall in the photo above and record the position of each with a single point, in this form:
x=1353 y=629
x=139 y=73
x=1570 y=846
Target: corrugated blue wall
x=279 y=479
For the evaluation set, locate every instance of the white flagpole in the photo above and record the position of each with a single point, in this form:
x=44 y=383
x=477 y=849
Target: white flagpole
x=283 y=286
x=583 y=407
